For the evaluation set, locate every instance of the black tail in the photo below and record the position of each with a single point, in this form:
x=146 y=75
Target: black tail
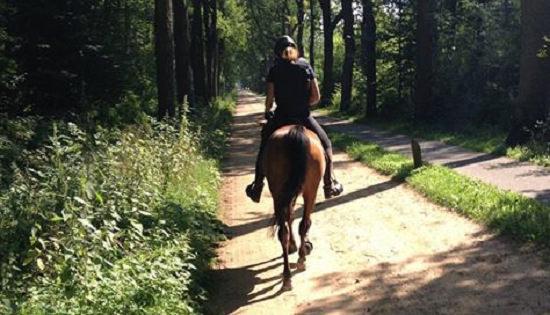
x=297 y=145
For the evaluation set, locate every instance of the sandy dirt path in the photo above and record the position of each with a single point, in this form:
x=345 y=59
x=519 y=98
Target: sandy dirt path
x=380 y=248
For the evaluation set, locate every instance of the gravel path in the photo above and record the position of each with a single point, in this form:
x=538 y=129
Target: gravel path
x=379 y=249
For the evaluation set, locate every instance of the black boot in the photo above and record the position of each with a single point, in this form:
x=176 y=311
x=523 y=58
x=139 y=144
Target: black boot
x=332 y=187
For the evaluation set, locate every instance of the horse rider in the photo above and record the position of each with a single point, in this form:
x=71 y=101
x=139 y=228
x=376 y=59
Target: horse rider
x=291 y=82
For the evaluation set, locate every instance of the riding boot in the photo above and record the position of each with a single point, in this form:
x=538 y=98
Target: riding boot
x=332 y=187
x=254 y=190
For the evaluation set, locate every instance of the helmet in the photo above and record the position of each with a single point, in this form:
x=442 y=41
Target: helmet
x=282 y=43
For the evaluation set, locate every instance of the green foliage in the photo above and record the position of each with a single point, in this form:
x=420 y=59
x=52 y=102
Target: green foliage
x=115 y=222
x=234 y=31
x=85 y=56
x=522 y=218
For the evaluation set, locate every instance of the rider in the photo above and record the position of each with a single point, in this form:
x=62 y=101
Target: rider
x=292 y=83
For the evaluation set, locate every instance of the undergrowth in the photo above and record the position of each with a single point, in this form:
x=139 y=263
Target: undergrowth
x=121 y=221
x=509 y=213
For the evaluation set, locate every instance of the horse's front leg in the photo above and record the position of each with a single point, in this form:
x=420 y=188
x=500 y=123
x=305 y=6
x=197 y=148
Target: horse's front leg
x=284 y=238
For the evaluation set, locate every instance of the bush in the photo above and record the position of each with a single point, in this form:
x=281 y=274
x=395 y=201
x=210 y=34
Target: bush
x=117 y=222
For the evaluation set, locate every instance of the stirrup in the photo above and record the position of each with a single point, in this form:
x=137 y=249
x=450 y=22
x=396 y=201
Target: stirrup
x=254 y=191
x=333 y=190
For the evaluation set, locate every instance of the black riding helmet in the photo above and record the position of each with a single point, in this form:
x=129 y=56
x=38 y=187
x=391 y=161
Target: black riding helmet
x=282 y=43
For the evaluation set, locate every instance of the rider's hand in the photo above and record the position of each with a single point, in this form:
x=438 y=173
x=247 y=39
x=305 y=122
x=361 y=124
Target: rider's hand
x=269 y=114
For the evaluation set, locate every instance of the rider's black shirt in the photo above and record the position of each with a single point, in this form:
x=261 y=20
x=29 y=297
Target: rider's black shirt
x=291 y=81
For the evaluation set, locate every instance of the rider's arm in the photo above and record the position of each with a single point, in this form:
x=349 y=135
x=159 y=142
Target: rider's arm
x=269 y=96
x=314 y=95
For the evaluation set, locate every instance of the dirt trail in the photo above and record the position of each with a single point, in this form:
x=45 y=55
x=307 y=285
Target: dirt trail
x=379 y=249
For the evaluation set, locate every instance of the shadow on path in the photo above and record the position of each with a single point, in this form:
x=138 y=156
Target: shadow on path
x=250 y=227
x=489 y=277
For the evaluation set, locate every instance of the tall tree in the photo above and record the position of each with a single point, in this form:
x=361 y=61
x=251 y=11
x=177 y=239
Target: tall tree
x=164 y=53
x=184 y=86
x=424 y=106
x=312 y=33
x=300 y=34
x=207 y=13
x=533 y=102
x=285 y=14
x=368 y=43
x=214 y=77
x=328 y=33
x=349 y=57
x=197 y=52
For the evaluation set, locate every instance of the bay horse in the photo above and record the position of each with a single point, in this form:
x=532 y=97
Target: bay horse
x=294 y=164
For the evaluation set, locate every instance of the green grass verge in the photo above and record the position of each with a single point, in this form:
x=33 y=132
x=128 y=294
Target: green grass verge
x=483 y=139
x=511 y=214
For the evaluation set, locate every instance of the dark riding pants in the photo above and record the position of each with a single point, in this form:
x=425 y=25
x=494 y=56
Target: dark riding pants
x=311 y=124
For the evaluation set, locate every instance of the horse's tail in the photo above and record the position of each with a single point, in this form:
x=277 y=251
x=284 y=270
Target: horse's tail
x=297 y=145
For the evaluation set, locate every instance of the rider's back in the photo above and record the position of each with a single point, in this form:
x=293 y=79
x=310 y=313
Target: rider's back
x=291 y=81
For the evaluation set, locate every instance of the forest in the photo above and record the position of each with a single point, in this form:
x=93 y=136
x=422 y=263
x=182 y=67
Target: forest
x=114 y=116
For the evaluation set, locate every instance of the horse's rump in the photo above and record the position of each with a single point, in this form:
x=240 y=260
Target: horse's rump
x=291 y=153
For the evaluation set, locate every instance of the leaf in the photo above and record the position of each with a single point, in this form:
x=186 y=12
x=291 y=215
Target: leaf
x=40 y=264
x=98 y=197
x=81 y=201
x=137 y=225
x=56 y=218
x=67 y=216
x=87 y=223
x=27 y=261
x=89 y=190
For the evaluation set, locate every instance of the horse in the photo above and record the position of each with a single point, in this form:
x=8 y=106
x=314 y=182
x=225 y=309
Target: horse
x=294 y=163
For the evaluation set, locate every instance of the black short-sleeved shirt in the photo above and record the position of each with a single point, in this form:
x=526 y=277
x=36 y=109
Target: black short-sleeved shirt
x=292 y=82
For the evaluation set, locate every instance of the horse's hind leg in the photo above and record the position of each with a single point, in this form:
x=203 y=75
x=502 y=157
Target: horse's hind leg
x=284 y=238
x=305 y=224
x=292 y=248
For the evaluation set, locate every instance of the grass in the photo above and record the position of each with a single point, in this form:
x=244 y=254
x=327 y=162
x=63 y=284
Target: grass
x=508 y=213
x=483 y=139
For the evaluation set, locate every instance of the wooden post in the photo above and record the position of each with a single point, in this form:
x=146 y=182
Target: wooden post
x=417 y=154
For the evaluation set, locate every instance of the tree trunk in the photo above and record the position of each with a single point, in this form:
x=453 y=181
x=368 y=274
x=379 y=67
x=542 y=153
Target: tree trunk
x=311 y=33
x=206 y=11
x=197 y=52
x=183 y=65
x=400 y=53
x=533 y=102
x=369 y=55
x=285 y=13
x=424 y=106
x=164 y=54
x=300 y=33
x=215 y=49
x=349 y=58
x=328 y=63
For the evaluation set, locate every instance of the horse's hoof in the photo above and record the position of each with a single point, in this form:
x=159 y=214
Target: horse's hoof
x=301 y=264
x=309 y=247
x=287 y=285
x=292 y=248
